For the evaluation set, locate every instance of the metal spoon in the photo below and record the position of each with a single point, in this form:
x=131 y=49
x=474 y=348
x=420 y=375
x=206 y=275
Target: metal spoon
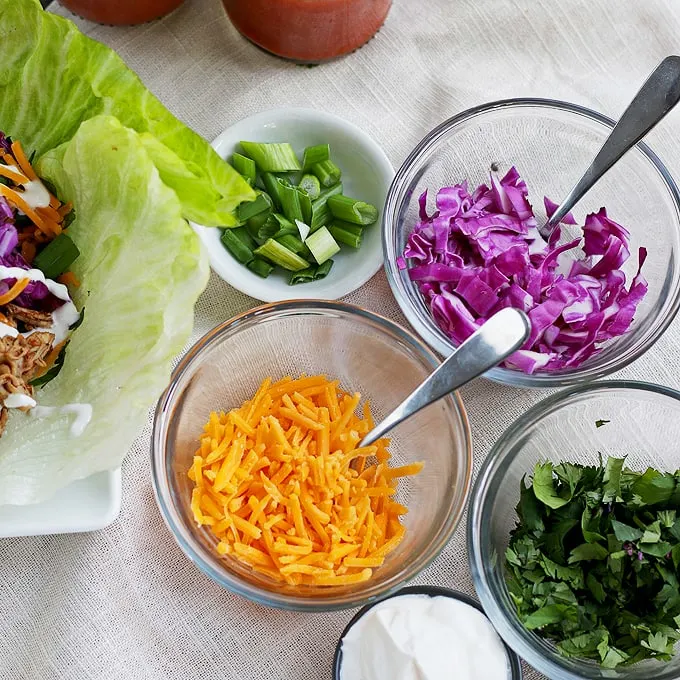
x=505 y=332
x=659 y=94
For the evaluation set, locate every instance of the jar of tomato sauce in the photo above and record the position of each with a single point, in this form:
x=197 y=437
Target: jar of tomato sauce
x=121 y=12
x=308 y=30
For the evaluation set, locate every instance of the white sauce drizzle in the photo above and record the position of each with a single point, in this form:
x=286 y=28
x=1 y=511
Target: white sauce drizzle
x=6 y=330
x=35 y=192
x=63 y=317
x=82 y=412
x=19 y=400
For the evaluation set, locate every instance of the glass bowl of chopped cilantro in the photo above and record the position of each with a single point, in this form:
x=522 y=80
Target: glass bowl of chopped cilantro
x=461 y=240
x=574 y=533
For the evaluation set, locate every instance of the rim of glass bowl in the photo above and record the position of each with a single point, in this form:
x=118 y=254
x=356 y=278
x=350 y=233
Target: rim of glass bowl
x=418 y=316
x=497 y=605
x=184 y=536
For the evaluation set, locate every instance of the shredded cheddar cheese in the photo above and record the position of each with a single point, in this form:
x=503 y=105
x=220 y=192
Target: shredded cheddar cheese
x=285 y=488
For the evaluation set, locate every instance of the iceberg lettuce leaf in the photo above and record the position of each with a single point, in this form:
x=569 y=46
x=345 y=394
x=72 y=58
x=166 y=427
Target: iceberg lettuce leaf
x=141 y=270
x=53 y=77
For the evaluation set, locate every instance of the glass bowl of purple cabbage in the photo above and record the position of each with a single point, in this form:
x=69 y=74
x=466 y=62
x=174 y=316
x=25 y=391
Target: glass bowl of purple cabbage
x=461 y=240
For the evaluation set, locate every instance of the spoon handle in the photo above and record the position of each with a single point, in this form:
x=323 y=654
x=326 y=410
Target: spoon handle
x=659 y=94
x=499 y=337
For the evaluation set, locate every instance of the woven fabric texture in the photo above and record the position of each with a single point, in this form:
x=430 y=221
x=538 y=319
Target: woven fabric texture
x=124 y=603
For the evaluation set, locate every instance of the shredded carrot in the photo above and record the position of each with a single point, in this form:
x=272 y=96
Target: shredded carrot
x=69 y=279
x=15 y=290
x=49 y=213
x=63 y=210
x=9 y=173
x=18 y=153
x=16 y=199
x=278 y=483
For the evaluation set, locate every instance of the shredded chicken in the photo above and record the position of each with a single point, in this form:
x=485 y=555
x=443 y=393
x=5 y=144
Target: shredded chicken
x=30 y=317
x=21 y=359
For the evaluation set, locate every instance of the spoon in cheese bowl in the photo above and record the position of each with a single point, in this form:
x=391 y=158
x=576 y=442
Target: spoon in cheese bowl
x=500 y=336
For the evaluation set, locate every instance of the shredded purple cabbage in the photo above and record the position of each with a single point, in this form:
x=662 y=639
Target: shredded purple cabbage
x=480 y=252
x=35 y=295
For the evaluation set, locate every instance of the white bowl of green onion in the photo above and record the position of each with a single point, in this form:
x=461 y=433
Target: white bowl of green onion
x=313 y=230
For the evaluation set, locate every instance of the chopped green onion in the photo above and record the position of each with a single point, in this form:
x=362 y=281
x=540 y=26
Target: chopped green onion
x=256 y=222
x=310 y=185
x=311 y=273
x=243 y=234
x=326 y=193
x=322 y=245
x=303 y=228
x=245 y=167
x=236 y=245
x=261 y=203
x=348 y=226
x=272 y=157
x=253 y=229
x=305 y=206
x=260 y=267
x=57 y=256
x=295 y=244
x=351 y=210
x=327 y=172
x=285 y=226
x=268 y=229
x=322 y=270
x=278 y=254
x=315 y=154
x=271 y=185
x=303 y=276
x=320 y=215
x=345 y=236
x=290 y=202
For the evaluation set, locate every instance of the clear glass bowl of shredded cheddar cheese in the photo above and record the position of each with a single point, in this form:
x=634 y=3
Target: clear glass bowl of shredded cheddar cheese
x=258 y=466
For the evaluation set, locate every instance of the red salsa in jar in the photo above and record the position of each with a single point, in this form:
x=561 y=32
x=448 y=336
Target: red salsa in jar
x=121 y=12
x=308 y=30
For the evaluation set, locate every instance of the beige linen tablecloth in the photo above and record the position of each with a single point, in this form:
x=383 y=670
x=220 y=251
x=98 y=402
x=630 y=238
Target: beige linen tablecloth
x=124 y=603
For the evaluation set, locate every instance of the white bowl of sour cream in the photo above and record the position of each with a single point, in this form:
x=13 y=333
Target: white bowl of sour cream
x=423 y=633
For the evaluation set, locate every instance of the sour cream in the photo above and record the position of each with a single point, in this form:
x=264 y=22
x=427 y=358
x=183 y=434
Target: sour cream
x=418 y=637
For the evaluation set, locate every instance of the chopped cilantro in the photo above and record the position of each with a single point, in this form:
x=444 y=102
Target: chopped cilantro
x=593 y=561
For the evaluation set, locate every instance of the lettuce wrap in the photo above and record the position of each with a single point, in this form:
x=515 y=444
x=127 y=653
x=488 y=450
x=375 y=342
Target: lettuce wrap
x=141 y=269
x=52 y=78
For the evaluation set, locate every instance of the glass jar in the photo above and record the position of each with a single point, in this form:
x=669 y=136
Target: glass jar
x=121 y=12
x=308 y=31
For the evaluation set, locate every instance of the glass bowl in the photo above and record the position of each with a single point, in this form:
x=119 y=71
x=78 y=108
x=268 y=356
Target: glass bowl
x=368 y=354
x=644 y=425
x=551 y=143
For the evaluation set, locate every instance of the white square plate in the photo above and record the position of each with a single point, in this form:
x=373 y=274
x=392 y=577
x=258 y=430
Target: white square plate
x=86 y=505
